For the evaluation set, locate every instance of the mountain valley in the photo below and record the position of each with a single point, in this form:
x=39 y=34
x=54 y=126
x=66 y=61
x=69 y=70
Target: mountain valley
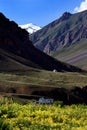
x=26 y=71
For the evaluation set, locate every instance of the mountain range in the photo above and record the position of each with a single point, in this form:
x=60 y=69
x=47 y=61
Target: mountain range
x=17 y=51
x=65 y=39
x=31 y=28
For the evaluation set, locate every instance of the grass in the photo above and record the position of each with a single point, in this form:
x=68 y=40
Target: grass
x=43 y=78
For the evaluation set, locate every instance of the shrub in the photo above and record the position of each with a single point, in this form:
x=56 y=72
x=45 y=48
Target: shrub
x=58 y=103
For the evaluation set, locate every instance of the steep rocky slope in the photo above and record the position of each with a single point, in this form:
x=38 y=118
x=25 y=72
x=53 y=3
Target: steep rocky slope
x=61 y=33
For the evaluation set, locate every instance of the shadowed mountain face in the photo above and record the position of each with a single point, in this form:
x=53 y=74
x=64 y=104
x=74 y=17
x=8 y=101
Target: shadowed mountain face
x=15 y=44
x=66 y=32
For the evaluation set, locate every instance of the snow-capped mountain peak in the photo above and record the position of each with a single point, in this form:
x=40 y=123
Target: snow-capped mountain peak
x=31 y=28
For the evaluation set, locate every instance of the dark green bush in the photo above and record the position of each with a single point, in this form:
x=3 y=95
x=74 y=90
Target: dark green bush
x=58 y=103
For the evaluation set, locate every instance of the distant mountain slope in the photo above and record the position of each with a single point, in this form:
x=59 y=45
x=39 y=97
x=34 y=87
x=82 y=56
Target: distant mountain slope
x=31 y=28
x=16 y=45
x=63 y=35
x=75 y=54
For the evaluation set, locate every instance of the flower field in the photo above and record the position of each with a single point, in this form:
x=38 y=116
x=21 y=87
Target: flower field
x=14 y=116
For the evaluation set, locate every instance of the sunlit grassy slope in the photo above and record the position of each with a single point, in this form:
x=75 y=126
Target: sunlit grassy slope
x=35 y=78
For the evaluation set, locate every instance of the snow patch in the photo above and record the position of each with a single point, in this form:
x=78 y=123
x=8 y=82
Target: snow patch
x=31 y=28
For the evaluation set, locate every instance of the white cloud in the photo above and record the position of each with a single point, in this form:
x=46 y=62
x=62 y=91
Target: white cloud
x=82 y=7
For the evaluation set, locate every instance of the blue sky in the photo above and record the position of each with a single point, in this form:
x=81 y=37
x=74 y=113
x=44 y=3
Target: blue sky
x=39 y=12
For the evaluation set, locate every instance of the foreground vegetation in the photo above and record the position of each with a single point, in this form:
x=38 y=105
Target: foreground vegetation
x=15 y=116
